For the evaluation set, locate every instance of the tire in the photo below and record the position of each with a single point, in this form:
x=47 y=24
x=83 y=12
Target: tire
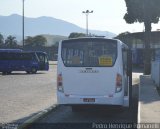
x=9 y=72
x=75 y=109
x=33 y=70
x=28 y=72
x=4 y=73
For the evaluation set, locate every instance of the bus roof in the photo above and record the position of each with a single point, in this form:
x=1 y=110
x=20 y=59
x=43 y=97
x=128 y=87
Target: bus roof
x=99 y=38
x=91 y=38
x=38 y=52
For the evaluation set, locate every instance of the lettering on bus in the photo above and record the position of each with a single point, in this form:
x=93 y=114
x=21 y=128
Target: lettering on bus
x=89 y=71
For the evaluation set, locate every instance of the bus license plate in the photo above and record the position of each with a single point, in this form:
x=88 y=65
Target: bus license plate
x=88 y=99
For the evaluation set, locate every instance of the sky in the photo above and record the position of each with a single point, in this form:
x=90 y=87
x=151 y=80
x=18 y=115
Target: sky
x=107 y=14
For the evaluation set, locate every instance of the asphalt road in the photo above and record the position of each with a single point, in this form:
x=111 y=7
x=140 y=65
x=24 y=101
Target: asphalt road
x=64 y=118
x=23 y=95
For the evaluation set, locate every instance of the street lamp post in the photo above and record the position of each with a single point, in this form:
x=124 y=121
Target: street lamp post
x=87 y=13
x=23 y=22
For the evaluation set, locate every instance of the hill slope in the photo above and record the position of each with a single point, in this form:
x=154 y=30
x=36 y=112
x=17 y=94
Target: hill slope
x=12 y=25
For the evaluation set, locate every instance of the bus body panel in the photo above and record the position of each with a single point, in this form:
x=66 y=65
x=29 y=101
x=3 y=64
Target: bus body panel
x=87 y=85
x=18 y=65
x=99 y=100
x=23 y=65
x=92 y=83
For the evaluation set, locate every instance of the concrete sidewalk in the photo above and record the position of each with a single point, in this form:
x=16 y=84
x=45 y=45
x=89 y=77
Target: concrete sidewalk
x=149 y=101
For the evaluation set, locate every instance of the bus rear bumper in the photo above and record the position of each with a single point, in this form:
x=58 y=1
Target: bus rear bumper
x=90 y=100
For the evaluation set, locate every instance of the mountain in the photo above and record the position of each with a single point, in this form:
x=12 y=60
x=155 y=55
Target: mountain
x=12 y=25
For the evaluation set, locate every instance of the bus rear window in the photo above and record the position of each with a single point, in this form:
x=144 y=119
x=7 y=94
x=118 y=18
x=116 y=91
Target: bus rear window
x=89 y=53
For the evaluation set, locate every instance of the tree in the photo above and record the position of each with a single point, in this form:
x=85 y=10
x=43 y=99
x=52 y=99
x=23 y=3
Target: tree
x=11 y=42
x=40 y=40
x=56 y=44
x=76 y=35
x=36 y=41
x=148 y=12
x=1 y=40
x=28 y=41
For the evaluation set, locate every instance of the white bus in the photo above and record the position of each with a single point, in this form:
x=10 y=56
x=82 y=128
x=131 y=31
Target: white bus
x=94 y=71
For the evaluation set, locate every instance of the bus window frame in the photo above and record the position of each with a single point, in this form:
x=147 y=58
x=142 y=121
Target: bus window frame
x=85 y=39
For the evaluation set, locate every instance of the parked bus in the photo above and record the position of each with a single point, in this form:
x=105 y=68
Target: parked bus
x=94 y=71
x=42 y=59
x=18 y=60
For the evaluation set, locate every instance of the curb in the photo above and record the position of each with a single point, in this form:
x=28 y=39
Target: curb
x=37 y=117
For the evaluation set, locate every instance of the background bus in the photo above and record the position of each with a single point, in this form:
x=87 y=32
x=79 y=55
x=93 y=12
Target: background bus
x=42 y=60
x=94 y=71
x=18 y=60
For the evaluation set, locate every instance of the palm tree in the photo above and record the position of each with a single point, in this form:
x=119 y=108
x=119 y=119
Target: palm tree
x=1 y=40
x=11 y=41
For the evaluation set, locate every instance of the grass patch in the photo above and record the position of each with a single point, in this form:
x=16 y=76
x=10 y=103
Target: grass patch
x=158 y=89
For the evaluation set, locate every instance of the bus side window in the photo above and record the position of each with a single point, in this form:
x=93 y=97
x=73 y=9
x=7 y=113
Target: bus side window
x=41 y=58
x=46 y=59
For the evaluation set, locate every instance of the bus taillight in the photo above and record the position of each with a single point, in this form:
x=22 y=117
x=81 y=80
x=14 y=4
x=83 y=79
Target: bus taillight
x=118 y=83
x=59 y=83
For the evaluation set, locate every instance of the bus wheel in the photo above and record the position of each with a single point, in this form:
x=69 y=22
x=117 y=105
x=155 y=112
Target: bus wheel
x=9 y=72
x=28 y=72
x=33 y=70
x=4 y=73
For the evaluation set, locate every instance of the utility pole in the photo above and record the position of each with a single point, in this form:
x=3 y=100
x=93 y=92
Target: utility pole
x=87 y=13
x=23 y=22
